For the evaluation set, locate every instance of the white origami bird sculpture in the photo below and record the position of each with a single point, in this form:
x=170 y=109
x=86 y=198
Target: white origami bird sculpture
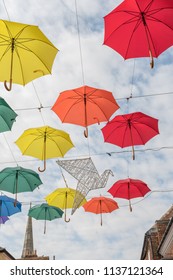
x=87 y=175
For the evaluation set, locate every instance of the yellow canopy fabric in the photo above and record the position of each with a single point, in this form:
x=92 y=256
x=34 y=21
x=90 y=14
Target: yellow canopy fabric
x=25 y=52
x=63 y=198
x=44 y=142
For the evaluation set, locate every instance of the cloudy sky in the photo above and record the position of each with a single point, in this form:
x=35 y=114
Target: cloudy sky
x=83 y=59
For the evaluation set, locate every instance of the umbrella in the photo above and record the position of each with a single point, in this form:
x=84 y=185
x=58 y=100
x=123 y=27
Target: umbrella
x=45 y=212
x=8 y=206
x=99 y=205
x=85 y=106
x=130 y=129
x=44 y=142
x=7 y=116
x=25 y=53
x=63 y=198
x=128 y=189
x=3 y=219
x=18 y=179
x=138 y=28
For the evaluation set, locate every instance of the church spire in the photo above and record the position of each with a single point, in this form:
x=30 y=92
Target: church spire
x=28 y=246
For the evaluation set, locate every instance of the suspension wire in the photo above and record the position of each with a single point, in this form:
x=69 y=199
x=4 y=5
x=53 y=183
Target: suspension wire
x=10 y=149
x=132 y=82
x=100 y=154
x=6 y=10
x=79 y=40
x=108 y=195
x=63 y=176
x=41 y=106
x=121 y=98
x=81 y=58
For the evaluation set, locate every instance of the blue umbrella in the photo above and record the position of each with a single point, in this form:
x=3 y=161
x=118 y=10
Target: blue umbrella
x=3 y=219
x=9 y=206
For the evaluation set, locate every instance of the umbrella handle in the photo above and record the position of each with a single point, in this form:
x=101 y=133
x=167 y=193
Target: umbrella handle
x=86 y=132
x=67 y=221
x=130 y=206
x=151 y=60
x=10 y=85
x=133 y=153
x=44 y=226
x=44 y=168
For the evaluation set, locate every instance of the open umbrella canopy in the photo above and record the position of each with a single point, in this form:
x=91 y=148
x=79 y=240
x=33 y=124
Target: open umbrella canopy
x=3 y=219
x=130 y=129
x=138 y=28
x=25 y=53
x=63 y=198
x=19 y=179
x=44 y=142
x=99 y=205
x=8 y=206
x=7 y=116
x=45 y=212
x=85 y=106
x=128 y=189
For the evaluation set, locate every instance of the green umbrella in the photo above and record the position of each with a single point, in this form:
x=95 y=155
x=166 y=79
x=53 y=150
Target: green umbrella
x=7 y=116
x=45 y=212
x=18 y=179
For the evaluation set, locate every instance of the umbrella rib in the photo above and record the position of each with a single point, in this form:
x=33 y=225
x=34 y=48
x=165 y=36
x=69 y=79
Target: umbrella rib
x=121 y=124
x=134 y=19
x=92 y=101
x=139 y=133
x=56 y=144
x=76 y=102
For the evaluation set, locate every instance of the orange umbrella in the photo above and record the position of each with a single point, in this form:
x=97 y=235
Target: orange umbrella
x=85 y=106
x=99 y=205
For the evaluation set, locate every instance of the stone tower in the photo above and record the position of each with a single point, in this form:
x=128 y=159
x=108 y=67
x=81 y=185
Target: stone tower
x=28 y=252
x=28 y=246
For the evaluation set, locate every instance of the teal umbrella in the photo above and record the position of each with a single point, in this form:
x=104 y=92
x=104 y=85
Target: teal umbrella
x=45 y=212
x=18 y=179
x=7 y=116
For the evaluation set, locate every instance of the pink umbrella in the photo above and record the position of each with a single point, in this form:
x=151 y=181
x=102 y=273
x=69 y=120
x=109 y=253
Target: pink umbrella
x=130 y=129
x=128 y=189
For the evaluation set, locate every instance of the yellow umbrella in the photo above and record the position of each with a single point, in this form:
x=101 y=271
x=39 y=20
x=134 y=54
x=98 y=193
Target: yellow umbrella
x=63 y=198
x=44 y=142
x=25 y=53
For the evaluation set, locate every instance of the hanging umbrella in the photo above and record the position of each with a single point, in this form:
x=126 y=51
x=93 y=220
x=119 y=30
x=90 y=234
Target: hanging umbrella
x=99 y=205
x=128 y=189
x=44 y=142
x=130 y=129
x=25 y=53
x=18 y=179
x=63 y=198
x=8 y=206
x=45 y=212
x=3 y=219
x=7 y=116
x=138 y=28
x=85 y=106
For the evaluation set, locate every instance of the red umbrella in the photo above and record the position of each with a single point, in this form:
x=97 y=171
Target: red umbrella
x=128 y=189
x=138 y=28
x=130 y=129
x=99 y=205
x=85 y=106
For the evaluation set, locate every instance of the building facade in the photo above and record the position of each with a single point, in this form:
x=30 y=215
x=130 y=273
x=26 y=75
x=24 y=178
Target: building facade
x=158 y=240
x=5 y=255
